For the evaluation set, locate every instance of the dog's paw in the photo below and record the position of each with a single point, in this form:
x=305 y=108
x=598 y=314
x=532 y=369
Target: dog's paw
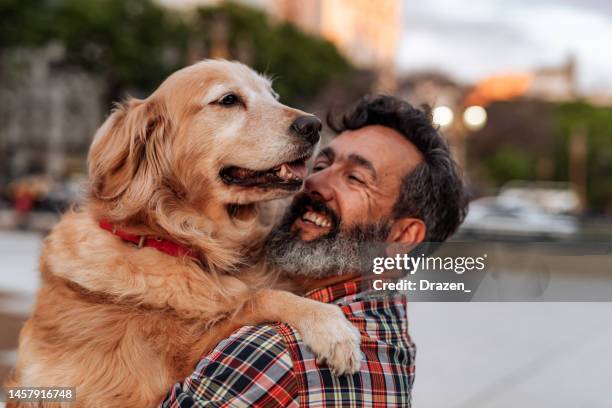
x=333 y=340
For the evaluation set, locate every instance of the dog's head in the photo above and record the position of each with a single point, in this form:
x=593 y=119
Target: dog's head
x=213 y=134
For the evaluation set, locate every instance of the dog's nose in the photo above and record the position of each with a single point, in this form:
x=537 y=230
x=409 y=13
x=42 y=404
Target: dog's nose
x=307 y=126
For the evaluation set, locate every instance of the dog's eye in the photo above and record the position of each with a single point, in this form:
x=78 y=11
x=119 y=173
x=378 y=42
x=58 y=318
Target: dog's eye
x=229 y=100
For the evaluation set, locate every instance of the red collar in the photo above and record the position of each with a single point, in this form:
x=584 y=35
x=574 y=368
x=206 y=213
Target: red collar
x=163 y=245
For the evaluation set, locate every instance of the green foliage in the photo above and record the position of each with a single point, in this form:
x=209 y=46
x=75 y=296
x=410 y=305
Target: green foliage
x=135 y=44
x=132 y=43
x=523 y=137
x=25 y=22
x=597 y=122
x=509 y=163
x=300 y=63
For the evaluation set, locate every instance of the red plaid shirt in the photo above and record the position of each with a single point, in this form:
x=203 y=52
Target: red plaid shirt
x=269 y=366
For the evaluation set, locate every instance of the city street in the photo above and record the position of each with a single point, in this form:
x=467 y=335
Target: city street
x=469 y=354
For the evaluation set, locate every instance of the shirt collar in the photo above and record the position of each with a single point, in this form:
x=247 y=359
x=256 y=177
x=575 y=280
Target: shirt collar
x=334 y=292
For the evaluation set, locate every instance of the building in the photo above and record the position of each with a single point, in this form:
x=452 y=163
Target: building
x=49 y=113
x=367 y=32
x=552 y=84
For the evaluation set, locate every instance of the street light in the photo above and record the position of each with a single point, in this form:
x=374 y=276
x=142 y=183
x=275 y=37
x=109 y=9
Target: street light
x=443 y=116
x=475 y=117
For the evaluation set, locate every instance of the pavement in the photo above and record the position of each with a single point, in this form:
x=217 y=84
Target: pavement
x=18 y=284
x=506 y=354
x=512 y=354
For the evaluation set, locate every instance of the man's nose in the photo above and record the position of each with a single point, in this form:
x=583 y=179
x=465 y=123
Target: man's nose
x=318 y=184
x=307 y=127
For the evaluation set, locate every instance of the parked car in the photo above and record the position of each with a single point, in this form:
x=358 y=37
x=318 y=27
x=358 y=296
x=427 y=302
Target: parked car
x=505 y=217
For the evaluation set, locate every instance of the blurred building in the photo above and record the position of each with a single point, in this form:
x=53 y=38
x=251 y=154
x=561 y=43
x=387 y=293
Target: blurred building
x=431 y=88
x=552 y=84
x=48 y=113
x=366 y=32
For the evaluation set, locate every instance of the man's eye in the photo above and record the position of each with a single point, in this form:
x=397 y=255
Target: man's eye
x=318 y=167
x=229 y=100
x=354 y=178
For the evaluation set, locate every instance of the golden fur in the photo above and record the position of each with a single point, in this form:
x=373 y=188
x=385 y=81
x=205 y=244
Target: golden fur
x=122 y=324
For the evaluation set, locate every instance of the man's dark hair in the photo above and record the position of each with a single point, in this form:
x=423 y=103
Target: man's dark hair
x=433 y=191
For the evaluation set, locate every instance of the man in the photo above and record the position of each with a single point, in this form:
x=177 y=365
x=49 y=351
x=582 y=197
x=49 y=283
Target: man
x=387 y=177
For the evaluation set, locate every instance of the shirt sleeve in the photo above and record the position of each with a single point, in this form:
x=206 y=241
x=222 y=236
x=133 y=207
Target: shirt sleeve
x=251 y=368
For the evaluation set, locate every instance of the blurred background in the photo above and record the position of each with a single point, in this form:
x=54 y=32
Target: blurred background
x=521 y=89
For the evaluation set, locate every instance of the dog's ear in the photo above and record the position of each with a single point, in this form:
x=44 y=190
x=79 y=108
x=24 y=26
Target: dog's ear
x=129 y=155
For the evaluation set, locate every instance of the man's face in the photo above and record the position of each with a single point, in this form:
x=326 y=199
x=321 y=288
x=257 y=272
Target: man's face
x=347 y=200
x=358 y=176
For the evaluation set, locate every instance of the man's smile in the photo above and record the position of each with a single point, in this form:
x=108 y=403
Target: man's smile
x=313 y=224
x=320 y=220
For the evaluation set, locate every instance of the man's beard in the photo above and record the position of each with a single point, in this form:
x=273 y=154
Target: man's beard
x=335 y=253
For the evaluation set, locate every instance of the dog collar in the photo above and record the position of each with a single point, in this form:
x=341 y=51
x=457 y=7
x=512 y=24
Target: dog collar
x=163 y=245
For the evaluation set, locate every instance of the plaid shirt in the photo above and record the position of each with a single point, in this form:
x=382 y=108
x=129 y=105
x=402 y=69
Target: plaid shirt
x=269 y=366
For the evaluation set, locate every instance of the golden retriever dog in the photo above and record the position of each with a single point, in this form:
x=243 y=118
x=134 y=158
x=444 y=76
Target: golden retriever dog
x=190 y=167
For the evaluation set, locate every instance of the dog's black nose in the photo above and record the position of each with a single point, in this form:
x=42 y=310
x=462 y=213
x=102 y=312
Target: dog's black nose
x=307 y=126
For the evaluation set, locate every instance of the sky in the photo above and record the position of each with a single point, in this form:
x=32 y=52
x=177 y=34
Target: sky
x=471 y=39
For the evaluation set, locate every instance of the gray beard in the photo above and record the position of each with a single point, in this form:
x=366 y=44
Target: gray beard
x=337 y=253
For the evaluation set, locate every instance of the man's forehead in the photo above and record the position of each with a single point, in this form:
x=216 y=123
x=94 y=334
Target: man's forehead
x=381 y=145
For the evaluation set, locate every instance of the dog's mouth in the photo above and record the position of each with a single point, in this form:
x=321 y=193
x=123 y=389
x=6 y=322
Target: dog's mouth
x=287 y=176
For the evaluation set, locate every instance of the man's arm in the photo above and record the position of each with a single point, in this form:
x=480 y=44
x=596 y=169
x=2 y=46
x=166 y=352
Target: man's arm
x=250 y=368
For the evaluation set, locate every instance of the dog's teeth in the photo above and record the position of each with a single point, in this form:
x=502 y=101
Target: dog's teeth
x=283 y=171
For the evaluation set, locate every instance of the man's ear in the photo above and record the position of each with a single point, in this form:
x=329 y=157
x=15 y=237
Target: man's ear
x=407 y=231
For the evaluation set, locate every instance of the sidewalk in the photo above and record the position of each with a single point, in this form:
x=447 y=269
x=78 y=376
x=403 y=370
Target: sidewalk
x=512 y=354
x=18 y=283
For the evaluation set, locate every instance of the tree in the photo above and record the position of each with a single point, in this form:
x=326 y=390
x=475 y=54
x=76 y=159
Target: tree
x=597 y=122
x=132 y=44
x=135 y=44
x=522 y=134
x=301 y=64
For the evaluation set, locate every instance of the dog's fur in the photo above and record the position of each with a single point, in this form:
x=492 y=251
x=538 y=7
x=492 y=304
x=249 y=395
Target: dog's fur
x=122 y=324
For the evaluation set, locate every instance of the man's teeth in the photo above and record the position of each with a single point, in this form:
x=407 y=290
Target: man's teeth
x=285 y=173
x=317 y=219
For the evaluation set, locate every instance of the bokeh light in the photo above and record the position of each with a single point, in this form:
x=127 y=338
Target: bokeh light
x=443 y=116
x=475 y=117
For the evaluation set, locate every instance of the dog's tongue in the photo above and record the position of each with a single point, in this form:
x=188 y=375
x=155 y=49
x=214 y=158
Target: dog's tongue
x=298 y=169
